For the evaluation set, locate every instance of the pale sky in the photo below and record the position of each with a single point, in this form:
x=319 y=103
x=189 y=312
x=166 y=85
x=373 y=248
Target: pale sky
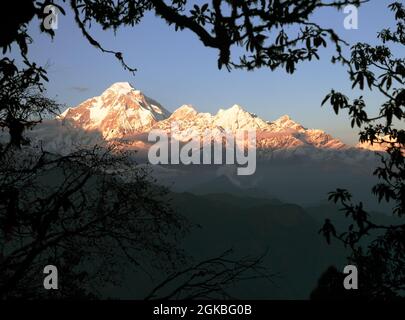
x=175 y=68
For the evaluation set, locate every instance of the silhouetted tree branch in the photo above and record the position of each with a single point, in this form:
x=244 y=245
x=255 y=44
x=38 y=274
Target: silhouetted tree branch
x=256 y=27
x=211 y=278
x=382 y=263
x=22 y=102
x=91 y=212
x=79 y=212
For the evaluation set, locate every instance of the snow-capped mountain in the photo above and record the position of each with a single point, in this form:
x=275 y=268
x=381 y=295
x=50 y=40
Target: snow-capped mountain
x=283 y=133
x=121 y=112
x=230 y=120
x=381 y=144
x=118 y=111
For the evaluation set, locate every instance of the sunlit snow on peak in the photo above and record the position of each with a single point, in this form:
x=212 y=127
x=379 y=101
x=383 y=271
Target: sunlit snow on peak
x=120 y=88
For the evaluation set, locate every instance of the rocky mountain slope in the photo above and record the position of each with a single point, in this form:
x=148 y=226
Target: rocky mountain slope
x=119 y=110
x=123 y=112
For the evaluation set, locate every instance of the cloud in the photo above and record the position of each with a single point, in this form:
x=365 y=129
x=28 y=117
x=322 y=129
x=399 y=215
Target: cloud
x=80 y=88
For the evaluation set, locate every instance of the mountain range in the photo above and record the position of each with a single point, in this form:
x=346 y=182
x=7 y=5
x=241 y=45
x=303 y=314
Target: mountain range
x=294 y=164
x=280 y=209
x=124 y=113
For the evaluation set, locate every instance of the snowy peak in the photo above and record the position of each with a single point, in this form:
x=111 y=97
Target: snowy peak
x=283 y=119
x=235 y=109
x=119 y=88
x=118 y=111
x=122 y=111
x=232 y=119
x=236 y=118
x=184 y=112
x=286 y=123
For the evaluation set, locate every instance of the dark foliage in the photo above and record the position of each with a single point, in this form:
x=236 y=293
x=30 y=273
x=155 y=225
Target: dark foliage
x=382 y=262
x=80 y=213
x=330 y=287
x=90 y=212
x=257 y=27
x=211 y=278
x=22 y=102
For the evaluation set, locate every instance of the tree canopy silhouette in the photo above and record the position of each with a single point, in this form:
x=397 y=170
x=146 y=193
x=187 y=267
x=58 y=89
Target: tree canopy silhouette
x=81 y=212
x=381 y=263
x=258 y=30
x=22 y=102
x=81 y=209
x=257 y=27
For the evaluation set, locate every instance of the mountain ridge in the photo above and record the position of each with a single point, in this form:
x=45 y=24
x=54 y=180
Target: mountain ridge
x=121 y=111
